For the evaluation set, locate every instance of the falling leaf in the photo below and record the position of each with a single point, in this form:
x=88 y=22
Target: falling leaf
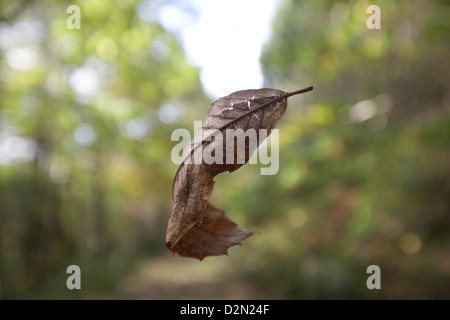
x=197 y=229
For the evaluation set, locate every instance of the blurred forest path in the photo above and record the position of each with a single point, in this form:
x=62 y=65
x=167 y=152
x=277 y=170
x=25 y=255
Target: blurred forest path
x=173 y=277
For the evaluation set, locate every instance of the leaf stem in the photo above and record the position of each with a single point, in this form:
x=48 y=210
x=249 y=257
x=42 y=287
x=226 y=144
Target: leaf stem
x=293 y=93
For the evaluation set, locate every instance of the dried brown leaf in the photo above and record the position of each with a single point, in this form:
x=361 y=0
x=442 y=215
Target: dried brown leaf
x=197 y=229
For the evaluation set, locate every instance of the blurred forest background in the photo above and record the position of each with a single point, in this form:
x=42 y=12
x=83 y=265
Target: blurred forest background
x=86 y=119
